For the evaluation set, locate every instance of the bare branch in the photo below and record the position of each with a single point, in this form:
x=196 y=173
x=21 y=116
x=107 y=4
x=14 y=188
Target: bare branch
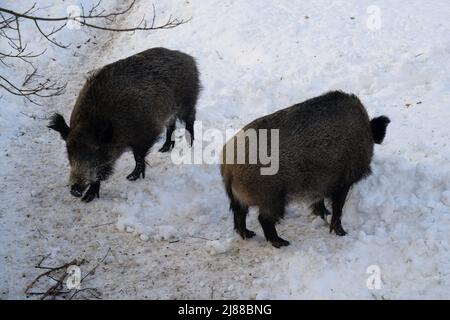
x=95 y=7
x=43 y=90
x=59 y=275
x=48 y=38
x=28 y=77
x=48 y=272
x=94 y=18
x=171 y=22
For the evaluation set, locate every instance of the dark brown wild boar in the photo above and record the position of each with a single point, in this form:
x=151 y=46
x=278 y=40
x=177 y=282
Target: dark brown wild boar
x=325 y=146
x=126 y=105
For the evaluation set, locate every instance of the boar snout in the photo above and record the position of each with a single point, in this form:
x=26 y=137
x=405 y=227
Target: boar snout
x=77 y=184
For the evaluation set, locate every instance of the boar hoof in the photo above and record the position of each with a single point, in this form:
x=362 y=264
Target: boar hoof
x=133 y=176
x=88 y=197
x=278 y=243
x=136 y=174
x=92 y=193
x=167 y=146
x=337 y=228
x=246 y=234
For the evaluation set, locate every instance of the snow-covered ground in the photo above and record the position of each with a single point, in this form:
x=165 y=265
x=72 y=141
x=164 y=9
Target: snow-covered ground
x=171 y=234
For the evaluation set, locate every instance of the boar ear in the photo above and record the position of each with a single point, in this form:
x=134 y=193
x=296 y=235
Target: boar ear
x=105 y=131
x=58 y=123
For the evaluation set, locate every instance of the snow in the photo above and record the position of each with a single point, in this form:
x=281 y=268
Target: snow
x=173 y=231
x=220 y=246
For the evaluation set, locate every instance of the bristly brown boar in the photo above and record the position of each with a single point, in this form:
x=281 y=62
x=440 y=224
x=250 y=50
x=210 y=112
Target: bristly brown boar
x=127 y=105
x=325 y=146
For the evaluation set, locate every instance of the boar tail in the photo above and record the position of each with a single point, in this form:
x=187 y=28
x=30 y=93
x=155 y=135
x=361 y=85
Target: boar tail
x=228 y=186
x=378 y=126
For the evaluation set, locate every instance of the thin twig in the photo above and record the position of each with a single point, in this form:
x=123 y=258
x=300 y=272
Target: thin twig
x=97 y=265
x=201 y=238
x=102 y=225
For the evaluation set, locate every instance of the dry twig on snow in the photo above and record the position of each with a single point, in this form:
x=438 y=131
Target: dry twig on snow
x=59 y=276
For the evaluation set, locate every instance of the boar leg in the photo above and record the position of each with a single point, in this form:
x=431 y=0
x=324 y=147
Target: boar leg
x=189 y=121
x=188 y=115
x=169 y=144
x=92 y=192
x=338 y=198
x=268 y=217
x=240 y=216
x=320 y=210
x=190 y=129
x=140 y=167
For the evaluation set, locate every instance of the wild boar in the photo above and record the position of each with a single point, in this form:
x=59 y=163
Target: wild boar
x=325 y=146
x=126 y=105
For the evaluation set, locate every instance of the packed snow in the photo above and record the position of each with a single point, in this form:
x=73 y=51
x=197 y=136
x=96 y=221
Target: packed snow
x=171 y=234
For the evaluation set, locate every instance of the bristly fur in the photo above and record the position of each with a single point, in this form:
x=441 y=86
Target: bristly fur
x=105 y=171
x=326 y=145
x=379 y=126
